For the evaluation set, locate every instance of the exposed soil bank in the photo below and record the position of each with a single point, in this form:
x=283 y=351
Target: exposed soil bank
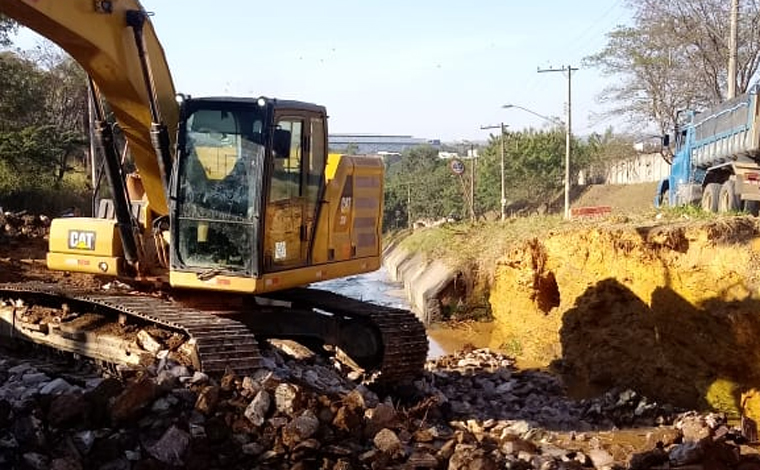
x=670 y=310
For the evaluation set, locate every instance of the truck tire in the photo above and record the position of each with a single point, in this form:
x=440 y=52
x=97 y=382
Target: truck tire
x=665 y=198
x=728 y=201
x=710 y=197
x=752 y=207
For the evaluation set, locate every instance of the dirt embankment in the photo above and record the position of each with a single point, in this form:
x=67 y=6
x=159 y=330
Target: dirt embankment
x=670 y=310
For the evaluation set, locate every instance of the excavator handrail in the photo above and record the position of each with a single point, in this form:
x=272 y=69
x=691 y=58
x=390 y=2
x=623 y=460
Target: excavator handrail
x=96 y=34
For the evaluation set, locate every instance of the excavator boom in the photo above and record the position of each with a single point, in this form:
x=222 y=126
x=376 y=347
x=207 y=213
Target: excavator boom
x=96 y=34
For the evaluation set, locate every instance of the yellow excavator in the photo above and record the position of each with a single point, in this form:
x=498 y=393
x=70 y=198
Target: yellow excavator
x=235 y=208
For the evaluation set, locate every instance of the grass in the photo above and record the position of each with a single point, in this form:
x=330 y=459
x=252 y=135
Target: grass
x=481 y=243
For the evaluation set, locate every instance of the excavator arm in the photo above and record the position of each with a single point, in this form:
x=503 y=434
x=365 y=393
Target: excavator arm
x=98 y=35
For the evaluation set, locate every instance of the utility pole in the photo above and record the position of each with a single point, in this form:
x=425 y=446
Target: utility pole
x=502 y=127
x=732 y=49
x=568 y=131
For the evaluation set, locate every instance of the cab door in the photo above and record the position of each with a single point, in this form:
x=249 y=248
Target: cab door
x=296 y=180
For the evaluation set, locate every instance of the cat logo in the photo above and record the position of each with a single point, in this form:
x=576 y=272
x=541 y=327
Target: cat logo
x=82 y=240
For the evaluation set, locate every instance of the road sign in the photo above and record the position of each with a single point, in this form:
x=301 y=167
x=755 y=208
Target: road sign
x=457 y=167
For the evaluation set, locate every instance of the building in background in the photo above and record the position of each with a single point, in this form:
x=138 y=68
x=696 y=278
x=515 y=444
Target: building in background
x=376 y=143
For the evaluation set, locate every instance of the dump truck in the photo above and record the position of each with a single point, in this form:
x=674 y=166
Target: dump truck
x=715 y=158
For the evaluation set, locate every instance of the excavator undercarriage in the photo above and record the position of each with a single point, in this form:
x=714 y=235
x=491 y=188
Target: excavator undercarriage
x=387 y=345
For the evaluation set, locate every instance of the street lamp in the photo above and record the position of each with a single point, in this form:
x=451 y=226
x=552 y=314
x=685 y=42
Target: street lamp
x=567 y=148
x=554 y=120
x=502 y=127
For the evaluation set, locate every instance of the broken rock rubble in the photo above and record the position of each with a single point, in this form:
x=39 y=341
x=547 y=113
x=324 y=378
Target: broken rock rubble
x=471 y=410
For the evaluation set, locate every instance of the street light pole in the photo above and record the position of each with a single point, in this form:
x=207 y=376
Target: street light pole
x=569 y=69
x=502 y=127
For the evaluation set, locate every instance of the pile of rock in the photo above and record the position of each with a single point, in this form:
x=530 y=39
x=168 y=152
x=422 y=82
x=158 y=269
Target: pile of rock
x=472 y=410
x=13 y=224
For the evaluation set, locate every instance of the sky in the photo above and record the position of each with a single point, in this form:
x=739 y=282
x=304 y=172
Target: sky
x=435 y=70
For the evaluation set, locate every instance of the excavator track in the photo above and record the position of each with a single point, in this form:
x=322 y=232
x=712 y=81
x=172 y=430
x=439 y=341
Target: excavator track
x=403 y=336
x=220 y=342
x=223 y=338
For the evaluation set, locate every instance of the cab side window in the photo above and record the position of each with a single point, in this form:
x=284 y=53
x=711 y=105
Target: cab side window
x=286 y=170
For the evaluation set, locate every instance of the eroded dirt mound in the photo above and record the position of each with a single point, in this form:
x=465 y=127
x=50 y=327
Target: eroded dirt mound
x=672 y=311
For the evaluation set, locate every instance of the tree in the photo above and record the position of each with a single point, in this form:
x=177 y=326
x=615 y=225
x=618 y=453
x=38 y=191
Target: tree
x=41 y=119
x=64 y=87
x=420 y=186
x=675 y=57
x=21 y=102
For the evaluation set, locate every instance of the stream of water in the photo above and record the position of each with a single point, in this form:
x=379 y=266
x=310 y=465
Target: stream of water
x=376 y=287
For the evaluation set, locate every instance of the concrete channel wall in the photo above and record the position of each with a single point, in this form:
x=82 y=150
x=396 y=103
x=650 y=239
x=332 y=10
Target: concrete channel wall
x=426 y=283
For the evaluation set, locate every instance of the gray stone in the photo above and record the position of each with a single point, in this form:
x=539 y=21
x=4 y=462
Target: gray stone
x=257 y=410
x=600 y=457
x=19 y=369
x=249 y=387
x=287 y=398
x=253 y=448
x=57 y=387
x=161 y=405
x=301 y=428
x=31 y=379
x=66 y=463
x=171 y=448
x=207 y=399
x=686 y=453
x=83 y=441
x=148 y=342
x=387 y=441
x=383 y=415
x=36 y=461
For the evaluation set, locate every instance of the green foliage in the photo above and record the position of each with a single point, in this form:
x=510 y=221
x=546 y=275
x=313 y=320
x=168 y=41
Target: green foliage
x=42 y=122
x=420 y=185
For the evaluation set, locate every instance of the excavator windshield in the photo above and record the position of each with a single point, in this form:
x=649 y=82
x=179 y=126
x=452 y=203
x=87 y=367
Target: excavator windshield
x=222 y=151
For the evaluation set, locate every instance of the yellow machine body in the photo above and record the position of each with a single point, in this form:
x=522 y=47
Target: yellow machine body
x=85 y=244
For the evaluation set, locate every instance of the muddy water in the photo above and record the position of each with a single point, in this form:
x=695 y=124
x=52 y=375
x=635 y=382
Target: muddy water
x=376 y=287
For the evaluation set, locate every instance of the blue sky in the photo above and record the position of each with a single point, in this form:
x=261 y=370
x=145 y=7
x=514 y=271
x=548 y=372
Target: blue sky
x=429 y=69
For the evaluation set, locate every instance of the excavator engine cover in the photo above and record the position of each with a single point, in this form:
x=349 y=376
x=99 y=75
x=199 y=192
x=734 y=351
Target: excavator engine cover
x=85 y=245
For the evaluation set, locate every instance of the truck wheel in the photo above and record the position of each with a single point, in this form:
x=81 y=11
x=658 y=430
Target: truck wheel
x=728 y=201
x=665 y=198
x=710 y=197
x=752 y=207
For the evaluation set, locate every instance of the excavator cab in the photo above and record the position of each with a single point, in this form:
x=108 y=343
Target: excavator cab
x=247 y=185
